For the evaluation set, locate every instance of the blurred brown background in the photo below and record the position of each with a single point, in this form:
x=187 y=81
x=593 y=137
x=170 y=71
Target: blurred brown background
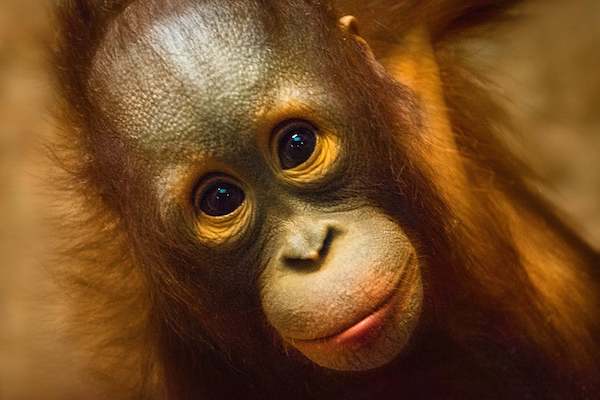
x=547 y=67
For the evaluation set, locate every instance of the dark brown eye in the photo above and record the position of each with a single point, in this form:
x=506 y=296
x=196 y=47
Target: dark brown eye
x=296 y=144
x=221 y=198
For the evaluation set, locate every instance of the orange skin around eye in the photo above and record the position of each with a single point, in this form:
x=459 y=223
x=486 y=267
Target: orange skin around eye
x=223 y=229
x=319 y=163
x=216 y=231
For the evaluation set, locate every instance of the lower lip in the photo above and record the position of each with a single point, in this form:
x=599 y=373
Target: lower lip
x=358 y=335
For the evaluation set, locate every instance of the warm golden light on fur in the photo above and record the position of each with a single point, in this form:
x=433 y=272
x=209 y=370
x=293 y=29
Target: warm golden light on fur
x=409 y=178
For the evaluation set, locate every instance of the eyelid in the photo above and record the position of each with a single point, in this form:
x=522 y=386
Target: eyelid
x=206 y=183
x=282 y=129
x=227 y=229
x=319 y=165
x=284 y=126
x=270 y=120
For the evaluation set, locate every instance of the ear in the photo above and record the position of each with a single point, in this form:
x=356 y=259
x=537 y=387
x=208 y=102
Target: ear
x=349 y=25
x=412 y=62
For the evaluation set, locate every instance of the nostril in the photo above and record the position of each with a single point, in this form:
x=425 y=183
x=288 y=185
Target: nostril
x=301 y=263
x=326 y=246
x=305 y=253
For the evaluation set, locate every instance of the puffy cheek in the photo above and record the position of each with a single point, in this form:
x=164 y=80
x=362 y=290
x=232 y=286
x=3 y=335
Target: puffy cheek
x=324 y=304
x=378 y=346
x=365 y=265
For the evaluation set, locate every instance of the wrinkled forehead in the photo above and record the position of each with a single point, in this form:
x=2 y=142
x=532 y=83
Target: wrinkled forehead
x=217 y=31
x=185 y=69
x=195 y=38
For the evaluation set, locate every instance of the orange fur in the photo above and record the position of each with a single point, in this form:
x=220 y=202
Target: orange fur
x=522 y=263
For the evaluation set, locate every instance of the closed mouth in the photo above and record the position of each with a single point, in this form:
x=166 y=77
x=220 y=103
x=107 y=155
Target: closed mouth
x=364 y=328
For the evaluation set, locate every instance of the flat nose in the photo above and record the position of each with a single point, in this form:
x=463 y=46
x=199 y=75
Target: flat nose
x=307 y=244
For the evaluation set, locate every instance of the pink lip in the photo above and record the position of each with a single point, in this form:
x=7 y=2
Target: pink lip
x=366 y=330
x=361 y=332
x=357 y=335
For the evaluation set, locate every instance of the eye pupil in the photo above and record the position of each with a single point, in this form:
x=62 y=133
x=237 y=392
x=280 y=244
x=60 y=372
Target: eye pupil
x=297 y=145
x=221 y=198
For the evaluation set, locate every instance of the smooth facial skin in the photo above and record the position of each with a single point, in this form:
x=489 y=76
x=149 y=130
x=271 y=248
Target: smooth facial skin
x=248 y=144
